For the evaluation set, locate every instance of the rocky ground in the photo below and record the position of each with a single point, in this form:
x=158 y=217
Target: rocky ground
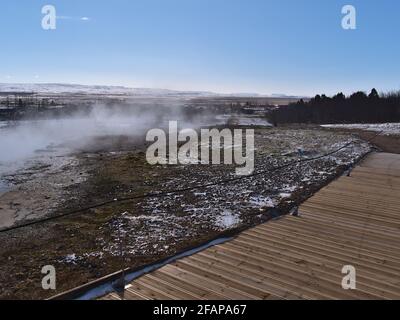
x=87 y=245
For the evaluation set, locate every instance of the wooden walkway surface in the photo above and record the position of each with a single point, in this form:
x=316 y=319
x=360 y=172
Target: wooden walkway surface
x=353 y=221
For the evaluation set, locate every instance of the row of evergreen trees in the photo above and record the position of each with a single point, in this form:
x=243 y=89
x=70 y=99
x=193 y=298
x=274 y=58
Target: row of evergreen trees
x=357 y=108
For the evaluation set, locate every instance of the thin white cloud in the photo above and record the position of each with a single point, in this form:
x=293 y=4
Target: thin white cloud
x=73 y=18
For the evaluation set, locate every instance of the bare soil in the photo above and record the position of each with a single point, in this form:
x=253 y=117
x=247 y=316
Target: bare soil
x=383 y=142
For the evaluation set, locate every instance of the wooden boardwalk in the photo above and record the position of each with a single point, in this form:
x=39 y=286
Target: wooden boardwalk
x=353 y=221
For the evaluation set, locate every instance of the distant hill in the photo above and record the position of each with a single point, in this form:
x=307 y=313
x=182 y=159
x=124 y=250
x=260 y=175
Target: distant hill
x=61 y=88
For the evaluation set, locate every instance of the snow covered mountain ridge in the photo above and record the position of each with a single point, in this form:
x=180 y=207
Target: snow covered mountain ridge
x=90 y=89
x=60 y=88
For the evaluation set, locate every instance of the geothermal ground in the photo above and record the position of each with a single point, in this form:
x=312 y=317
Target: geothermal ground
x=87 y=245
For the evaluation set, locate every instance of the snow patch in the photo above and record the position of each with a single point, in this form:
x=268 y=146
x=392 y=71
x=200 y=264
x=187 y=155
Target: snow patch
x=263 y=202
x=228 y=220
x=71 y=258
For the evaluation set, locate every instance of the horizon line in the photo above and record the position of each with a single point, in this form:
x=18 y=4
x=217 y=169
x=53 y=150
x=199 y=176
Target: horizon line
x=211 y=92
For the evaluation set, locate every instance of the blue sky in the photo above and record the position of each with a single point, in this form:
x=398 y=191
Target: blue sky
x=264 y=46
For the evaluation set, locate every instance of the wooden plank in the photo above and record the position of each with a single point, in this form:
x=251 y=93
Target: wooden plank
x=363 y=218
x=327 y=232
x=175 y=292
x=312 y=259
x=327 y=283
x=315 y=257
x=328 y=278
x=378 y=171
x=359 y=245
x=144 y=291
x=382 y=211
x=346 y=259
x=331 y=271
x=197 y=291
x=237 y=281
x=361 y=194
x=376 y=211
x=353 y=255
x=210 y=281
x=363 y=226
x=348 y=182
